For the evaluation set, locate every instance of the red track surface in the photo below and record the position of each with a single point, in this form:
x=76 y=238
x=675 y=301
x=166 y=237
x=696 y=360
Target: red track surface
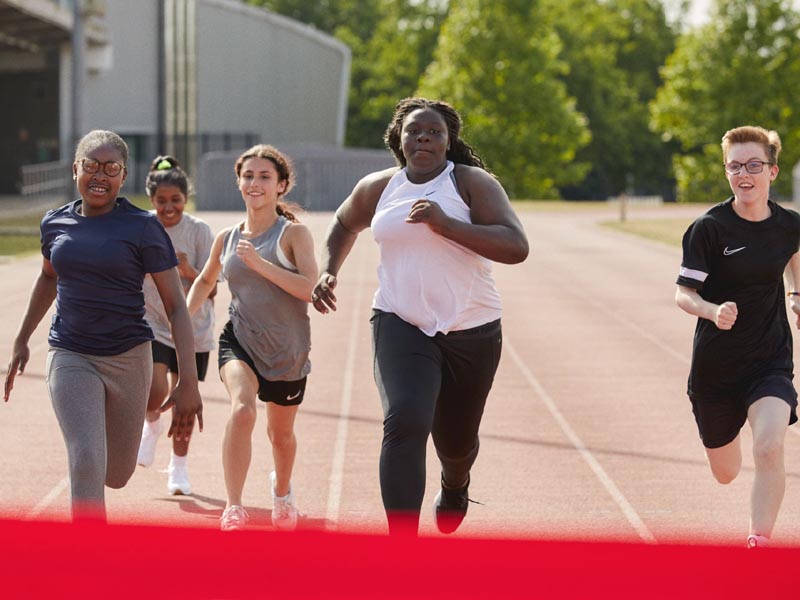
x=588 y=435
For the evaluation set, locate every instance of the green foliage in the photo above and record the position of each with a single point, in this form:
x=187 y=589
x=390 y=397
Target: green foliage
x=614 y=51
x=742 y=68
x=387 y=66
x=391 y=42
x=498 y=64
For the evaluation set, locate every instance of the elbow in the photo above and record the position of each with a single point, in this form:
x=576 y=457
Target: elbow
x=516 y=254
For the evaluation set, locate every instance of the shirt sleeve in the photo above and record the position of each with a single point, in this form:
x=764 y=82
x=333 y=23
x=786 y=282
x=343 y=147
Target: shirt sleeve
x=46 y=236
x=696 y=253
x=156 y=247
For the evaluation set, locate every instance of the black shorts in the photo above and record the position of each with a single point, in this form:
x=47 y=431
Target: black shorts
x=719 y=419
x=165 y=355
x=283 y=393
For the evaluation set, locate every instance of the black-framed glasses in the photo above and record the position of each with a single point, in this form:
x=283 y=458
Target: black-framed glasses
x=751 y=166
x=110 y=168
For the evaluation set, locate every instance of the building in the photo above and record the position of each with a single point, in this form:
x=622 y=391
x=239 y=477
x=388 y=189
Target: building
x=185 y=77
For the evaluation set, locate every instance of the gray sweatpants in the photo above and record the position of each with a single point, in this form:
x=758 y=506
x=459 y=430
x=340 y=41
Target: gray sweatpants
x=100 y=403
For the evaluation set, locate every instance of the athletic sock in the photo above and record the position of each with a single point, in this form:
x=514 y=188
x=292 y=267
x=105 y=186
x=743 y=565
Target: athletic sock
x=177 y=461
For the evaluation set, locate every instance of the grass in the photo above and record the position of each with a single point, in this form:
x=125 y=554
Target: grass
x=19 y=236
x=668 y=231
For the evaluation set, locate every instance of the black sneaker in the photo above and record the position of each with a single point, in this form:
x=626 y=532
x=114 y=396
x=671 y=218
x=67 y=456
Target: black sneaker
x=450 y=507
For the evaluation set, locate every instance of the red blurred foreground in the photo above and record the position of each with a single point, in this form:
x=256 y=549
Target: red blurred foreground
x=91 y=561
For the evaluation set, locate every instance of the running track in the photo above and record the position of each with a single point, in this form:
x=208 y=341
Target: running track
x=588 y=434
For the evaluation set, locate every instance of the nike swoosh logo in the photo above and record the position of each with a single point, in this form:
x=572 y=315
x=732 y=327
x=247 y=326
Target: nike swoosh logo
x=727 y=252
x=290 y=398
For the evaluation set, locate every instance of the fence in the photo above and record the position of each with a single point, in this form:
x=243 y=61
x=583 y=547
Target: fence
x=325 y=176
x=52 y=179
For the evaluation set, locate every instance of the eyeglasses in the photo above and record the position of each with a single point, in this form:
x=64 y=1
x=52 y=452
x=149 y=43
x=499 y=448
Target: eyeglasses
x=751 y=166
x=110 y=168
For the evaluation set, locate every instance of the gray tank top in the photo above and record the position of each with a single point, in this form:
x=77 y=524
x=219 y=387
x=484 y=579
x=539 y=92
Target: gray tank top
x=270 y=324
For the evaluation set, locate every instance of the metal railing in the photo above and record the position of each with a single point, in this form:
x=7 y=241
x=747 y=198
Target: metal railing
x=53 y=179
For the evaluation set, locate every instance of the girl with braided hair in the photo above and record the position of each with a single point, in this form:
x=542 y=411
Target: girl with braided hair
x=435 y=323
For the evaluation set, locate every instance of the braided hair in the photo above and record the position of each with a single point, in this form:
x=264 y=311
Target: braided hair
x=458 y=151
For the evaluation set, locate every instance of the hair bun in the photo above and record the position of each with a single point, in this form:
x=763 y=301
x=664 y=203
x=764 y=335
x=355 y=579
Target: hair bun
x=164 y=162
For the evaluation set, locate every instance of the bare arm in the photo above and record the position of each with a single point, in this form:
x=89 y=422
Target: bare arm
x=186 y=397
x=205 y=284
x=298 y=245
x=353 y=216
x=722 y=315
x=792 y=274
x=42 y=296
x=495 y=233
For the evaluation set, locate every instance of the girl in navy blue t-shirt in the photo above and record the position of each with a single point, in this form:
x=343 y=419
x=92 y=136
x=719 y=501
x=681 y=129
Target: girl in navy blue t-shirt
x=96 y=252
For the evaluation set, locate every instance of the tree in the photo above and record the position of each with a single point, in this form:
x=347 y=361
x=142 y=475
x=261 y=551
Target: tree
x=742 y=68
x=389 y=64
x=391 y=43
x=498 y=63
x=614 y=50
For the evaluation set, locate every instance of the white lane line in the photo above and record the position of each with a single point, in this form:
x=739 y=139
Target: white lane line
x=795 y=430
x=621 y=318
x=608 y=483
x=340 y=446
x=48 y=499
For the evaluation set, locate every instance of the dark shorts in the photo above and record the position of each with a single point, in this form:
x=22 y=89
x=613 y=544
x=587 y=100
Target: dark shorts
x=283 y=393
x=719 y=419
x=165 y=355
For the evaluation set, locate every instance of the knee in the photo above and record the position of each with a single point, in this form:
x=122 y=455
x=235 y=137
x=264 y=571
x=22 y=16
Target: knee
x=405 y=427
x=725 y=474
x=280 y=438
x=118 y=480
x=243 y=416
x=768 y=453
x=158 y=393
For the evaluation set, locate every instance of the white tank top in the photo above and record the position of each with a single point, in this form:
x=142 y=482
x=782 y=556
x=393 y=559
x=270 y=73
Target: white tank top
x=424 y=278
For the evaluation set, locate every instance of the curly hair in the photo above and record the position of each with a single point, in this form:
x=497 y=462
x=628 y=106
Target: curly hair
x=458 y=150
x=166 y=170
x=770 y=140
x=99 y=137
x=283 y=165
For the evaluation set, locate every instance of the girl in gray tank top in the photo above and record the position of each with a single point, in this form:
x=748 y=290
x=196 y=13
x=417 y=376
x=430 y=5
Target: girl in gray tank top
x=268 y=262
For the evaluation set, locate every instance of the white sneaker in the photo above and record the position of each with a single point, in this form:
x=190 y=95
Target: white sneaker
x=147 y=447
x=234 y=518
x=284 y=512
x=178 y=480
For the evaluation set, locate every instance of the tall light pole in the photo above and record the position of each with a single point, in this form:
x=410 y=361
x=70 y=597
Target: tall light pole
x=78 y=72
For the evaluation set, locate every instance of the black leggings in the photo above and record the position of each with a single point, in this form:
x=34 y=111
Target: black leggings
x=429 y=386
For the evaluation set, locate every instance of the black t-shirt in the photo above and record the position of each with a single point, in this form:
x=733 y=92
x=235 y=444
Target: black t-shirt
x=728 y=258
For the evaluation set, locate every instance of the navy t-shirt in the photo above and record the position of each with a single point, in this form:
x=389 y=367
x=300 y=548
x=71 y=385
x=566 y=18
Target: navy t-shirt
x=728 y=258
x=101 y=263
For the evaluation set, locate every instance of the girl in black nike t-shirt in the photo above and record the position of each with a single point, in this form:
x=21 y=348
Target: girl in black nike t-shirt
x=731 y=278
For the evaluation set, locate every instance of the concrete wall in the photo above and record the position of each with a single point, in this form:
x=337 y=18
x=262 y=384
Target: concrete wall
x=325 y=176
x=261 y=72
x=122 y=94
